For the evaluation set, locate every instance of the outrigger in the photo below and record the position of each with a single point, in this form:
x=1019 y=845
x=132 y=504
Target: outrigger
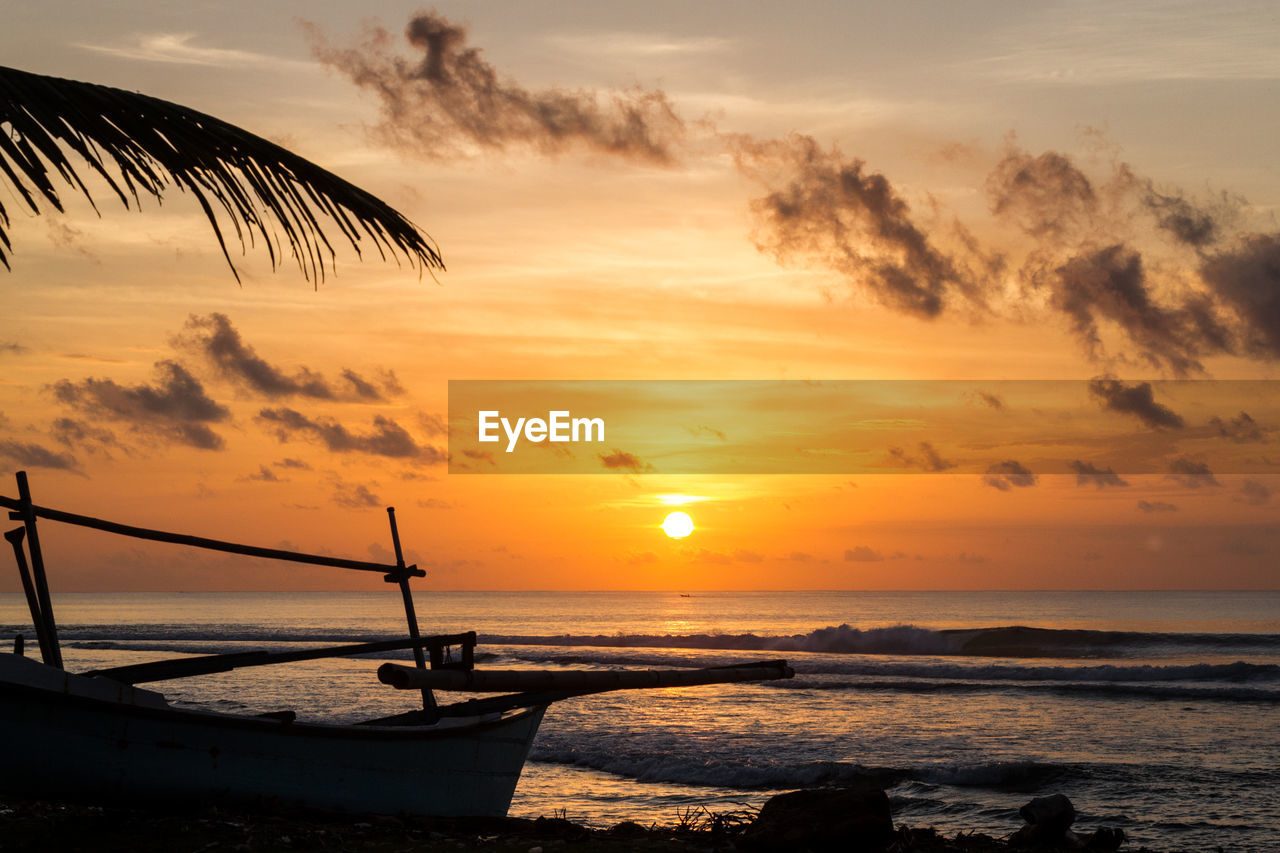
x=97 y=734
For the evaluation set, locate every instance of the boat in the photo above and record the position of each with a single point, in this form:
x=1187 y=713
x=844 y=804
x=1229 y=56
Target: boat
x=96 y=734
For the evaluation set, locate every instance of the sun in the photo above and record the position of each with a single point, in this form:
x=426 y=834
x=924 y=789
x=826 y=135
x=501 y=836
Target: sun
x=678 y=525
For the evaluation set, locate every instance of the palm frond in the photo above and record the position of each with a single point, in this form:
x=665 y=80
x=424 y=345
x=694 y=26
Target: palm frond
x=141 y=145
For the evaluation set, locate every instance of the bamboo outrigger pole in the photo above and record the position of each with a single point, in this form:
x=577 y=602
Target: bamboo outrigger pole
x=578 y=681
x=24 y=511
x=410 y=614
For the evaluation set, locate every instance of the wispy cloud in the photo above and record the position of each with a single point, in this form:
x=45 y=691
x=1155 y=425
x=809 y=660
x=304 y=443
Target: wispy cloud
x=179 y=49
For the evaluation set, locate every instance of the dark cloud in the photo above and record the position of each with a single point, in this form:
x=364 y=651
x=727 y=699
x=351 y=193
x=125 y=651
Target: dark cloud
x=928 y=460
x=1193 y=475
x=292 y=463
x=1241 y=429
x=862 y=554
x=175 y=408
x=620 y=460
x=387 y=438
x=1247 y=280
x=10 y=348
x=448 y=98
x=1188 y=223
x=390 y=382
x=432 y=425
x=433 y=503
x=1087 y=472
x=827 y=210
x=1008 y=474
x=1254 y=493
x=19 y=454
x=355 y=498
x=991 y=401
x=359 y=386
x=479 y=455
x=1156 y=506
x=1110 y=285
x=80 y=434
x=1136 y=400
x=1047 y=196
x=216 y=340
x=263 y=475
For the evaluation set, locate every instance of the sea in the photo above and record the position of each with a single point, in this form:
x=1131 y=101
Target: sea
x=1155 y=712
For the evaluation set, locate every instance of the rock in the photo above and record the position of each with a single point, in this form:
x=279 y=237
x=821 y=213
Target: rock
x=1105 y=839
x=1048 y=820
x=844 y=819
x=629 y=829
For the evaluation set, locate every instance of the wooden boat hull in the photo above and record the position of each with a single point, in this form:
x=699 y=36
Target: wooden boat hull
x=131 y=746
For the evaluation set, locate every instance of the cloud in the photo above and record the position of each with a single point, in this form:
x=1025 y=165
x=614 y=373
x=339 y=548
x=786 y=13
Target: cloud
x=620 y=460
x=832 y=211
x=991 y=401
x=1008 y=474
x=1193 y=475
x=1087 y=472
x=297 y=464
x=1136 y=400
x=432 y=425
x=1254 y=493
x=11 y=348
x=20 y=454
x=176 y=49
x=1156 y=506
x=216 y=340
x=929 y=459
x=81 y=434
x=862 y=554
x=175 y=408
x=703 y=429
x=1110 y=284
x=433 y=503
x=387 y=438
x=479 y=455
x=1246 y=279
x=355 y=498
x=1045 y=196
x=1188 y=223
x=447 y=97
x=263 y=475
x=1241 y=429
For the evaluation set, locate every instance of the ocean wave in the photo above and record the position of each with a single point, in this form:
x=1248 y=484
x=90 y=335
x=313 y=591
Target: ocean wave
x=673 y=768
x=905 y=640
x=1239 y=671
x=1010 y=641
x=1111 y=689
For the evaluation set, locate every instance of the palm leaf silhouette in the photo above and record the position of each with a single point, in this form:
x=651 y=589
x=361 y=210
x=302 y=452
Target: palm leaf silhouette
x=140 y=145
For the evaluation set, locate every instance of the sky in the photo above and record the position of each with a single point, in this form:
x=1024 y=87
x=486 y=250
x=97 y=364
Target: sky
x=1077 y=193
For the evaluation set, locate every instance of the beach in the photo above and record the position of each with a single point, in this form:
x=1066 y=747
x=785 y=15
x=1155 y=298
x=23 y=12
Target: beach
x=1155 y=713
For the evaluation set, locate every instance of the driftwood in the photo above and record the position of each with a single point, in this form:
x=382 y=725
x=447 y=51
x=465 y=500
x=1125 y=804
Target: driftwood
x=585 y=681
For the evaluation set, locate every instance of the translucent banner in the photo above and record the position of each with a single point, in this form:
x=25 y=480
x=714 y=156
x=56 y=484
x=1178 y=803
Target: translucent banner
x=1096 y=430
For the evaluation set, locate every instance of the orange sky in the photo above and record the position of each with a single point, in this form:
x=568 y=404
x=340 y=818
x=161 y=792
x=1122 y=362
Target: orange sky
x=871 y=193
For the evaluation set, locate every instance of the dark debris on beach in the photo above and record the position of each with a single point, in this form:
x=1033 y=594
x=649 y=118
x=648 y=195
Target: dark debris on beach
x=69 y=827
